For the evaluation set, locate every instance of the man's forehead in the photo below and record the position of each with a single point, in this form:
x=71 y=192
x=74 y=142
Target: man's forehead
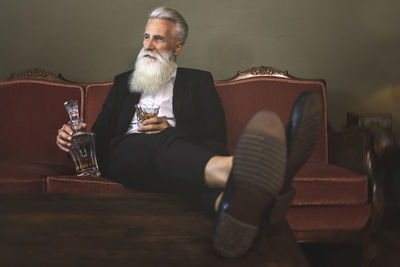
x=160 y=27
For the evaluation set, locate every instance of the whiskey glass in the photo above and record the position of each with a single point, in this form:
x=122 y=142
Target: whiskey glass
x=145 y=112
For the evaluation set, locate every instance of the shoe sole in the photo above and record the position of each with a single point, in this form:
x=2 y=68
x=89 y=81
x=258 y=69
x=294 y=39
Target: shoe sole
x=305 y=132
x=258 y=173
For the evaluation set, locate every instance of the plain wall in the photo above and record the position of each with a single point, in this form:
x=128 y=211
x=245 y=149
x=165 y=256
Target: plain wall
x=352 y=45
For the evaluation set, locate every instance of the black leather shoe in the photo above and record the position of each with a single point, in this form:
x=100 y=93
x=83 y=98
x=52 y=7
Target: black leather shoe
x=302 y=133
x=302 y=130
x=257 y=175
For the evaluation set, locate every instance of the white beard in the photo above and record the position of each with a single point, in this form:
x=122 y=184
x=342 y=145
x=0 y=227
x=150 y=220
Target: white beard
x=151 y=75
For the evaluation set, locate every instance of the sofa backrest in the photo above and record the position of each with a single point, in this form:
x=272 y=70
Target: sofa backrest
x=31 y=113
x=241 y=98
x=95 y=96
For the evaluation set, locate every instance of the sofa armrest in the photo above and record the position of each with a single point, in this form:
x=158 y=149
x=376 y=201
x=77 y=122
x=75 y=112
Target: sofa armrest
x=353 y=149
x=383 y=141
x=357 y=148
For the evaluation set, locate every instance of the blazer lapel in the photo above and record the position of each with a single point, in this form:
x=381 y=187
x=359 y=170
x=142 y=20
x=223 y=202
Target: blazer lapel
x=179 y=90
x=127 y=111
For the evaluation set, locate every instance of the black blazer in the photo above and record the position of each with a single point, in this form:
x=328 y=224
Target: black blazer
x=196 y=105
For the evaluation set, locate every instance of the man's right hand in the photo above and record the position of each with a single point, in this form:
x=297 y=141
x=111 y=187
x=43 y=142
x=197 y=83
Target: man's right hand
x=64 y=136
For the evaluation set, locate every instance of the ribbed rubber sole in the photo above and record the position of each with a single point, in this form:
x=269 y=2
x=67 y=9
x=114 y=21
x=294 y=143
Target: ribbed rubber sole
x=233 y=238
x=259 y=161
x=258 y=171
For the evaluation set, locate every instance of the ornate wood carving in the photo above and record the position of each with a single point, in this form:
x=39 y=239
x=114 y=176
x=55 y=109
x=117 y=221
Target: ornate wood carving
x=37 y=74
x=41 y=74
x=377 y=195
x=262 y=71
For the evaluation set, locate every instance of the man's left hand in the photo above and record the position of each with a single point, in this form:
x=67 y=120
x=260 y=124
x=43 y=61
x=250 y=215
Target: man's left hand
x=154 y=125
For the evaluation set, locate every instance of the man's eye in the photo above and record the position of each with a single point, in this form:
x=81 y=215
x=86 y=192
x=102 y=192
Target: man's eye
x=159 y=38
x=146 y=37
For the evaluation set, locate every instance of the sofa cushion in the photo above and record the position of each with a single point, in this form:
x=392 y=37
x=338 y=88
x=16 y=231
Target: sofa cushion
x=33 y=111
x=16 y=176
x=28 y=184
x=316 y=184
x=328 y=218
x=319 y=183
x=84 y=184
x=243 y=98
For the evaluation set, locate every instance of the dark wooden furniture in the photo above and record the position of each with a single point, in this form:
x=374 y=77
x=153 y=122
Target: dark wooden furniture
x=45 y=229
x=370 y=120
x=379 y=126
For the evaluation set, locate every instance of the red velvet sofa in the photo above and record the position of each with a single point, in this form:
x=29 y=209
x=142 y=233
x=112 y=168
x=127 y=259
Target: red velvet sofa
x=337 y=199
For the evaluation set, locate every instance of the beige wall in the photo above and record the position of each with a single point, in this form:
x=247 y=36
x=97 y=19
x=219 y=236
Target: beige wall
x=352 y=44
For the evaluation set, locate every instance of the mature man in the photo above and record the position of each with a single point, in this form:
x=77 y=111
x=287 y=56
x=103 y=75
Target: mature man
x=183 y=149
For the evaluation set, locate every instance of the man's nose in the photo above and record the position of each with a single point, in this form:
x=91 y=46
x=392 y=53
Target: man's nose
x=148 y=45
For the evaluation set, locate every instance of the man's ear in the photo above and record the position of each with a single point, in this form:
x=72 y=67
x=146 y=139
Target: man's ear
x=178 y=48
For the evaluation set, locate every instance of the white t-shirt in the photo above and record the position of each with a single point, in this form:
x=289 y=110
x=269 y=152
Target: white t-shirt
x=163 y=99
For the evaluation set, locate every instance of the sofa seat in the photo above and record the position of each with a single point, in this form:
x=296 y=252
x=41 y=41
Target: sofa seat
x=329 y=198
x=84 y=184
x=316 y=184
x=19 y=176
x=319 y=183
x=329 y=218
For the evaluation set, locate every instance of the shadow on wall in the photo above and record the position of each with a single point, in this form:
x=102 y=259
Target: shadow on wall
x=382 y=100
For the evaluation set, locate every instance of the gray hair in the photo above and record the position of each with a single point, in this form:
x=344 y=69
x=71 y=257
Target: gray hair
x=172 y=15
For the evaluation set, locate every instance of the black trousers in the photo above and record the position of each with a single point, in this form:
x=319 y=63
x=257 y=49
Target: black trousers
x=163 y=162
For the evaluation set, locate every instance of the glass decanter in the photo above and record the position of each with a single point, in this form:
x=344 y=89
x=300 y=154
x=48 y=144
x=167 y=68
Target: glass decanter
x=83 y=149
x=73 y=112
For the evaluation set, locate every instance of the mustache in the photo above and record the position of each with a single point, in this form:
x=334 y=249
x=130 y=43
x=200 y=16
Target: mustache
x=164 y=57
x=152 y=54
